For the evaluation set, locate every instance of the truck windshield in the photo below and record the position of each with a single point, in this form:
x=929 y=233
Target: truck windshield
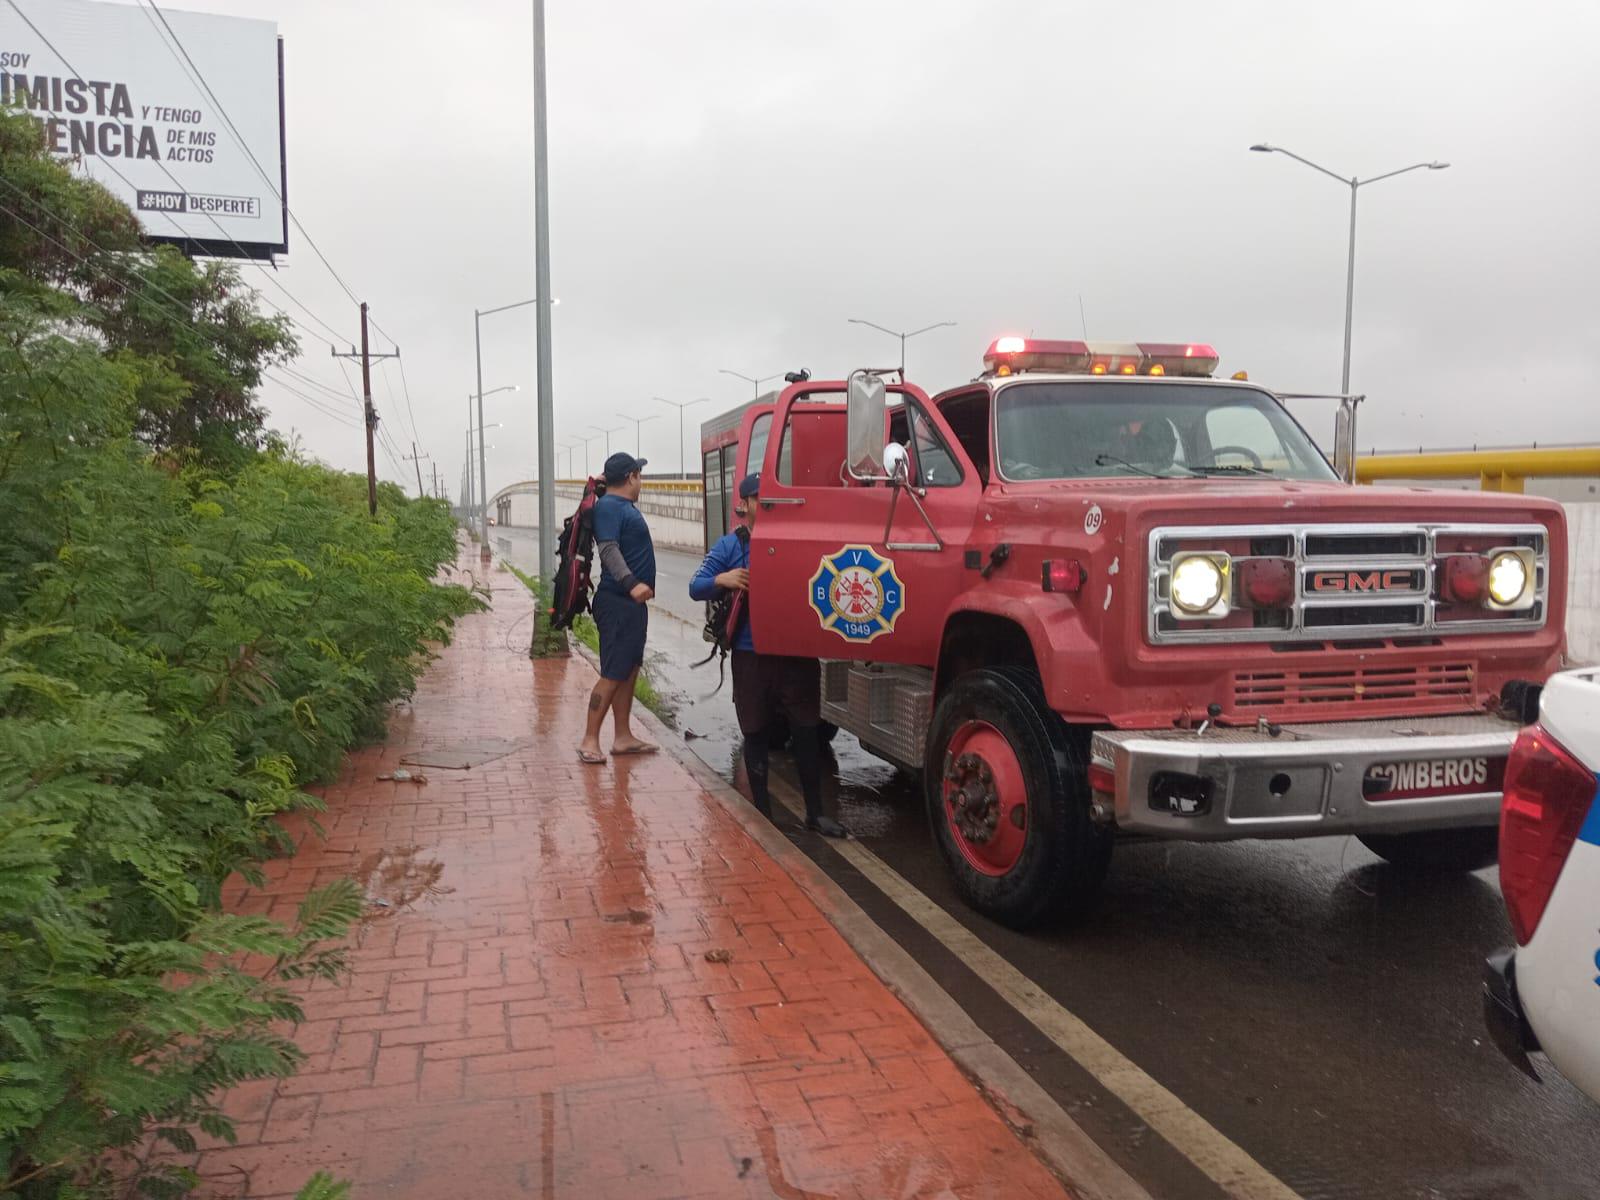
x=1104 y=428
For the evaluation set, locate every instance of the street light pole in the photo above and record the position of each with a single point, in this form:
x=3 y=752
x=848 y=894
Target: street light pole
x=897 y=333
x=682 y=472
x=751 y=379
x=638 y=425
x=608 y=433
x=1354 y=185
x=477 y=346
x=541 y=287
x=587 y=438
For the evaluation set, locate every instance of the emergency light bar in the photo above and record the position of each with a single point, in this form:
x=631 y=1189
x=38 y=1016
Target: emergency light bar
x=1009 y=355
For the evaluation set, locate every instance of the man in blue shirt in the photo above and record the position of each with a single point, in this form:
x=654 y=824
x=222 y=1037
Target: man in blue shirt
x=767 y=686
x=627 y=585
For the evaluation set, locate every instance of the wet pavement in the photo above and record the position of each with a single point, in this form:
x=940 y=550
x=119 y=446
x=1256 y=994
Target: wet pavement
x=1318 y=1007
x=585 y=981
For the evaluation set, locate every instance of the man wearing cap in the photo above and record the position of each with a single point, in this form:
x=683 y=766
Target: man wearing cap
x=627 y=585
x=767 y=686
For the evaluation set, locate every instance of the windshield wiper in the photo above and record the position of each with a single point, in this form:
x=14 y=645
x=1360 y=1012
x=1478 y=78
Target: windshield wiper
x=1228 y=469
x=1111 y=460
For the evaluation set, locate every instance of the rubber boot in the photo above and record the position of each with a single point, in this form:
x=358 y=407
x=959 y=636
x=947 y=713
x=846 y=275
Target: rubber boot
x=807 y=749
x=755 y=768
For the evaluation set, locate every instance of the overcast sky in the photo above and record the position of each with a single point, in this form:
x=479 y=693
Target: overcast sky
x=731 y=180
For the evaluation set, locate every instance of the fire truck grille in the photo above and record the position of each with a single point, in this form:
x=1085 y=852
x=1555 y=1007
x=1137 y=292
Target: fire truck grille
x=1430 y=687
x=1369 y=581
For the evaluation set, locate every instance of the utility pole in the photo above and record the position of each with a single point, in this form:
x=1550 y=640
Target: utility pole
x=370 y=412
x=435 y=492
x=541 y=261
x=416 y=458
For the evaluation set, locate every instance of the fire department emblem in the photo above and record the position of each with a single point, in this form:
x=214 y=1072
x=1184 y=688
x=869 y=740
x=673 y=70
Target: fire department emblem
x=857 y=594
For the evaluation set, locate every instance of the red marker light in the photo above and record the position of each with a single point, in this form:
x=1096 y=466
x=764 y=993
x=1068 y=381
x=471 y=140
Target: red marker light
x=1265 y=582
x=1064 y=576
x=1464 y=578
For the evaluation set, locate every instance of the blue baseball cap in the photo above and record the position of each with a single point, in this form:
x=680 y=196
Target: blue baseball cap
x=749 y=486
x=620 y=465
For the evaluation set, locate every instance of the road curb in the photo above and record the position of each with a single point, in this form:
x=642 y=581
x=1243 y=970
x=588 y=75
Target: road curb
x=1028 y=1110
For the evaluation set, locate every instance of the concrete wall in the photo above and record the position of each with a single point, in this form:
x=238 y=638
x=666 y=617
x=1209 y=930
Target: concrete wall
x=1583 y=583
x=675 y=515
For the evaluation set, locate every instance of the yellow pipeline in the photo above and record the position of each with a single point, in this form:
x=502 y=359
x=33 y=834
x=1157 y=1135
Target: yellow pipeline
x=1495 y=470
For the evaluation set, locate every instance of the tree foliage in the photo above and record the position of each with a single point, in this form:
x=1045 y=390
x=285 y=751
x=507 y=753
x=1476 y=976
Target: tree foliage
x=194 y=623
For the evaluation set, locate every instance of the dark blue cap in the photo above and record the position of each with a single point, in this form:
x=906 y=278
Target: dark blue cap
x=620 y=465
x=749 y=486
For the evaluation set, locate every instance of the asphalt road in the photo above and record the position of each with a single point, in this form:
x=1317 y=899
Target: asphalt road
x=1317 y=1007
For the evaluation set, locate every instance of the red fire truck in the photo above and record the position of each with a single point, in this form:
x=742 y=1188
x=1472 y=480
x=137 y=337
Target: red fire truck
x=1097 y=593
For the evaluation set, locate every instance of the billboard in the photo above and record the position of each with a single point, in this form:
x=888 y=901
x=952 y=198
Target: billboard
x=181 y=119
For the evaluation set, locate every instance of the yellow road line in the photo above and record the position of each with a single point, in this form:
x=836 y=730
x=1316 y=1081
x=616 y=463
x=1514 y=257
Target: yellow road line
x=1217 y=1157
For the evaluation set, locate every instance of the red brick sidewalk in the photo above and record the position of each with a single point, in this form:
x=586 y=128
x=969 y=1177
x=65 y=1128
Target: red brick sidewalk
x=533 y=1013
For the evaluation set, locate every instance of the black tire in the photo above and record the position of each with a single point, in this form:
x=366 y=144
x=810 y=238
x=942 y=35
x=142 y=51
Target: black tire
x=1065 y=855
x=1438 y=850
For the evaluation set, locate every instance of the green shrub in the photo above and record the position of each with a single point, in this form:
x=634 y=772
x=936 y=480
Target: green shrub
x=194 y=624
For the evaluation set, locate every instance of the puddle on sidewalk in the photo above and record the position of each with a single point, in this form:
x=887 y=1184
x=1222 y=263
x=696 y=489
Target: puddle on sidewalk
x=396 y=880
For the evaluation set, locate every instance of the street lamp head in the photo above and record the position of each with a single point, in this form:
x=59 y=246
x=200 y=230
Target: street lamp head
x=1263 y=148
x=1437 y=166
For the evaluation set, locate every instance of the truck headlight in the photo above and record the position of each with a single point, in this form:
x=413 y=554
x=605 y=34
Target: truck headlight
x=1199 y=583
x=1510 y=578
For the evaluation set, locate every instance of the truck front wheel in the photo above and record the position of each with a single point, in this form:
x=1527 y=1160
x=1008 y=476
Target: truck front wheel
x=1007 y=795
x=1438 y=849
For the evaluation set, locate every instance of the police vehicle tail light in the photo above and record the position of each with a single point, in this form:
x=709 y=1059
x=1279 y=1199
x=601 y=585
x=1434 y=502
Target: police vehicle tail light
x=1062 y=575
x=1009 y=354
x=1548 y=793
x=1198 y=585
x=1265 y=582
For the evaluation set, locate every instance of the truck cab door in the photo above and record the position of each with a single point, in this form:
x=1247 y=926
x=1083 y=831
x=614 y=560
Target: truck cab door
x=846 y=568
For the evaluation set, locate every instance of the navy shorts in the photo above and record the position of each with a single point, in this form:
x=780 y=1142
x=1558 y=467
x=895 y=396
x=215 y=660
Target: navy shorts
x=621 y=621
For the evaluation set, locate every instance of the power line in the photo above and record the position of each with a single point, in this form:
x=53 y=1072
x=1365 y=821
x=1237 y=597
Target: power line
x=178 y=316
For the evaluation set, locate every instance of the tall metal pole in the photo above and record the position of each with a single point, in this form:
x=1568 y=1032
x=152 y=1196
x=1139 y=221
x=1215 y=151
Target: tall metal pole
x=371 y=418
x=1349 y=290
x=483 y=469
x=541 y=251
x=472 y=492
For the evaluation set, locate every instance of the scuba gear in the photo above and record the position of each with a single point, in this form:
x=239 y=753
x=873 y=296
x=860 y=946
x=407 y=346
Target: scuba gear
x=574 y=554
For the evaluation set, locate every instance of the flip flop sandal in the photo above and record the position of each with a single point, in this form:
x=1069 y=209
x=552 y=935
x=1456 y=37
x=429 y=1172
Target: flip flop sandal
x=591 y=760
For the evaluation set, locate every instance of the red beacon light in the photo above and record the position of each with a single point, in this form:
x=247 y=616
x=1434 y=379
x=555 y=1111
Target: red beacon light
x=1178 y=358
x=1010 y=354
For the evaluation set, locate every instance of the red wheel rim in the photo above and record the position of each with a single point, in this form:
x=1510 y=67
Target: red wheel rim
x=985 y=798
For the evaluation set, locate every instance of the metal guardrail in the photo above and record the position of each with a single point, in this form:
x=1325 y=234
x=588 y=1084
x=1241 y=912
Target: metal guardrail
x=1495 y=470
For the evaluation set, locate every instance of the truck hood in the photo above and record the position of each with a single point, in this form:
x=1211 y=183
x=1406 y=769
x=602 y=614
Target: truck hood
x=1149 y=501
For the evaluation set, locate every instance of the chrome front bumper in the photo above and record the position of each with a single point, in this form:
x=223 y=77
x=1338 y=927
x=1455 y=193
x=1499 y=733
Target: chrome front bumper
x=1305 y=782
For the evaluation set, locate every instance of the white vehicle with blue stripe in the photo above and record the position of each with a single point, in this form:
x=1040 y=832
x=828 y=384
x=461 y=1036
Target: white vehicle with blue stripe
x=1544 y=994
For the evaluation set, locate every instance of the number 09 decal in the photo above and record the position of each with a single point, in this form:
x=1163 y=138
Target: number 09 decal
x=856 y=593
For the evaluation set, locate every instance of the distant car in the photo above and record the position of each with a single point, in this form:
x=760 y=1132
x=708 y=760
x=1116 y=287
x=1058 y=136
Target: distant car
x=1544 y=994
x=492 y=521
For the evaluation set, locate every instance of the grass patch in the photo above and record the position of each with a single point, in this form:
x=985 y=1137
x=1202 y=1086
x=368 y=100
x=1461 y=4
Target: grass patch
x=549 y=642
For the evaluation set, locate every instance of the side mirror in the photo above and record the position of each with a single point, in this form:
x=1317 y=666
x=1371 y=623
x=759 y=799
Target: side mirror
x=896 y=462
x=1344 y=439
x=866 y=406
